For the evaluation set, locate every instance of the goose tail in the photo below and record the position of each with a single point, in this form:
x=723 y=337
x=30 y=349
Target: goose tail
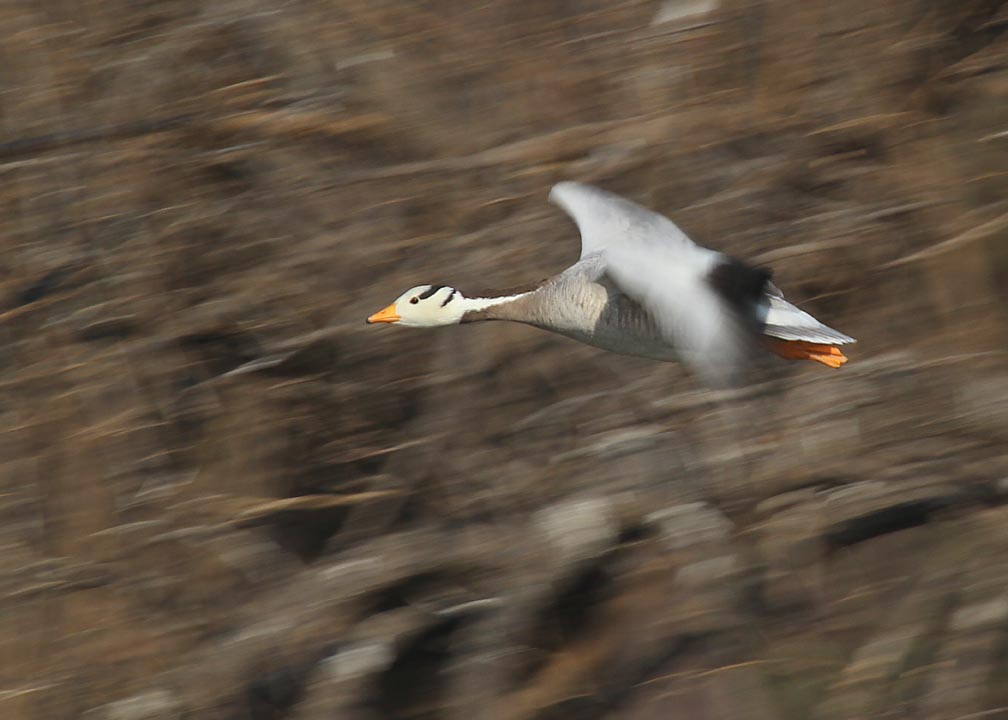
x=795 y=335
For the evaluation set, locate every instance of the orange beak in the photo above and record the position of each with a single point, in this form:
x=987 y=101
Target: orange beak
x=388 y=315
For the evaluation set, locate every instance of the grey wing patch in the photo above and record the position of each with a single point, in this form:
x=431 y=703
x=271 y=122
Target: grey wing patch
x=593 y=269
x=705 y=331
x=654 y=263
x=590 y=267
x=605 y=219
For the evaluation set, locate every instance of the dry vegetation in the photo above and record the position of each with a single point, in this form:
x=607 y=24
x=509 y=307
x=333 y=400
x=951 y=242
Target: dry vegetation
x=222 y=496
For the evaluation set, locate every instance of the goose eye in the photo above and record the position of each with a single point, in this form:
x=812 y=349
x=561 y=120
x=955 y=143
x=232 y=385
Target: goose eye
x=414 y=301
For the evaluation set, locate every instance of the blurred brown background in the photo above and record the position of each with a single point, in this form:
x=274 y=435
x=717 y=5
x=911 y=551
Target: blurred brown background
x=491 y=521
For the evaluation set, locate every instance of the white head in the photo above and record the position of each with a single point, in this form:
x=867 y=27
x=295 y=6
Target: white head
x=424 y=306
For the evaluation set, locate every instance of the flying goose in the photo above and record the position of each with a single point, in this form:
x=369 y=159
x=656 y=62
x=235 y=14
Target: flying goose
x=642 y=287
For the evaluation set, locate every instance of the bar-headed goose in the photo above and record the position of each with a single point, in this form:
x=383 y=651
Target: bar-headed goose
x=642 y=287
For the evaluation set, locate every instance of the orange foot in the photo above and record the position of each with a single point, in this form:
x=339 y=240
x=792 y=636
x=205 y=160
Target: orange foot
x=828 y=355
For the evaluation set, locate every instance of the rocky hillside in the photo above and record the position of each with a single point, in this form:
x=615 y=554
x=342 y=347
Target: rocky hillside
x=223 y=496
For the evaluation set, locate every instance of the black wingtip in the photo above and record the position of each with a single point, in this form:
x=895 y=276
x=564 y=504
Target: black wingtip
x=738 y=283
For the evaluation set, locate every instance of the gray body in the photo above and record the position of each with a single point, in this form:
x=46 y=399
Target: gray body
x=581 y=304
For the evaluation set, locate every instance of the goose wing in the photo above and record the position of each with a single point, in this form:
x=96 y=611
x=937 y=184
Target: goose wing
x=655 y=263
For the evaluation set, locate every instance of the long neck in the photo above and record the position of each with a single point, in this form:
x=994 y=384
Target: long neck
x=504 y=307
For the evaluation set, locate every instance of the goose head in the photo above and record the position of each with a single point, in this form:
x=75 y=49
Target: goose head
x=423 y=306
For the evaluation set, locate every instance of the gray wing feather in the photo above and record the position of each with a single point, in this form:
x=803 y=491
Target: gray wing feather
x=656 y=264
x=605 y=219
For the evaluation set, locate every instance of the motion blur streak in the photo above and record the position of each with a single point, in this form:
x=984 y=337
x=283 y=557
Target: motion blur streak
x=224 y=496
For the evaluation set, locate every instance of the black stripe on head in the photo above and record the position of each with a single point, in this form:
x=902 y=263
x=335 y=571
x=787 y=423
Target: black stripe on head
x=449 y=298
x=430 y=291
x=739 y=284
